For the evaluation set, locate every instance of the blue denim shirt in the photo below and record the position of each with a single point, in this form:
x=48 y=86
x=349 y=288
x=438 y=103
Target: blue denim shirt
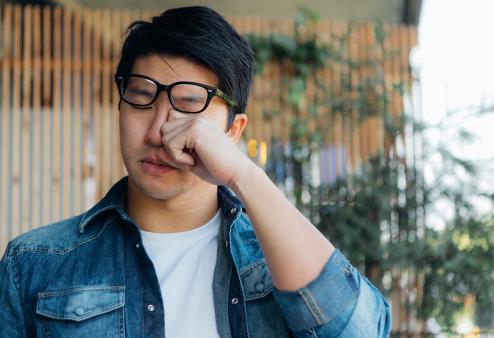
x=89 y=276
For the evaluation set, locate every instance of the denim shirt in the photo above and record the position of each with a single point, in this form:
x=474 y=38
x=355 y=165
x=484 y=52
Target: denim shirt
x=89 y=276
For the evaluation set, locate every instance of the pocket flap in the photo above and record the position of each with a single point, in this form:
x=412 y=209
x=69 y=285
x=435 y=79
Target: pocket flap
x=80 y=303
x=256 y=280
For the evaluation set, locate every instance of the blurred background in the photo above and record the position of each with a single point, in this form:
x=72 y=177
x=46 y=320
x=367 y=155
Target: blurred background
x=374 y=117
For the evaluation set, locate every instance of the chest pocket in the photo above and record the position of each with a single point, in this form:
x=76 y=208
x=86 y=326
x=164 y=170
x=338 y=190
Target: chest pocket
x=93 y=311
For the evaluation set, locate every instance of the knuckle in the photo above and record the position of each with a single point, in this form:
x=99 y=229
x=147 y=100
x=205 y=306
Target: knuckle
x=165 y=128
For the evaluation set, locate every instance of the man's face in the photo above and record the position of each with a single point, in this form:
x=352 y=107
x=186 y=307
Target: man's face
x=140 y=136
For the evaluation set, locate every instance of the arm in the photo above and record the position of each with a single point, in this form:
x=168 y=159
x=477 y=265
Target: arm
x=295 y=250
x=12 y=320
x=317 y=288
x=306 y=268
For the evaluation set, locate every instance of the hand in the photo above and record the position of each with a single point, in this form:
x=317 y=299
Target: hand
x=195 y=143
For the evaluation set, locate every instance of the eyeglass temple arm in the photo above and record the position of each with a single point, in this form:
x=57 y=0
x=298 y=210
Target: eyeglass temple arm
x=225 y=97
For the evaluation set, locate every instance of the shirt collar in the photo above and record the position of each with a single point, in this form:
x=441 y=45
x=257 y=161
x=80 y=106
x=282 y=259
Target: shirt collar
x=116 y=200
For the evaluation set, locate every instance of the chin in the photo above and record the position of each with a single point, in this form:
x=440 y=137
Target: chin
x=160 y=189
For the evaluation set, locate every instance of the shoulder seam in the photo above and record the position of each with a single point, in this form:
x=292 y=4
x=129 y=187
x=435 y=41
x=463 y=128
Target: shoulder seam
x=19 y=249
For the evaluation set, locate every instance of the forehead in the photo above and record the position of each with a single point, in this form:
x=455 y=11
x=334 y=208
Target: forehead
x=168 y=69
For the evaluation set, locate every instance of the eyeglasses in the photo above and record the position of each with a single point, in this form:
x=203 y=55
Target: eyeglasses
x=141 y=91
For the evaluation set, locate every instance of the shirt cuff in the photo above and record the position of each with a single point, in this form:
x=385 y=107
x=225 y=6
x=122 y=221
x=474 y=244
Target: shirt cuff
x=330 y=298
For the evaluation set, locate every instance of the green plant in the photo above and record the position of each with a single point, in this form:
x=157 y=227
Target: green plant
x=377 y=215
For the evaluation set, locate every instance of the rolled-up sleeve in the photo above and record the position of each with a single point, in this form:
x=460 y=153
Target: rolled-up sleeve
x=340 y=302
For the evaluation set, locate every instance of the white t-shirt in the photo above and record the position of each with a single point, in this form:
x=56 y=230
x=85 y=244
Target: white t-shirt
x=184 y=263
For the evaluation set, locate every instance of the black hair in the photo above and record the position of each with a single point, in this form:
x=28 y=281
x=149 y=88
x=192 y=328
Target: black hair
x=201 y=35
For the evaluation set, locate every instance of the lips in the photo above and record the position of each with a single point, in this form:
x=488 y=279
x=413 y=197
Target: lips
x=154 y=161
x=155 y=166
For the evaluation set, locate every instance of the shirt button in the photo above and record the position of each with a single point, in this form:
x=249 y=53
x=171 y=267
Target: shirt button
x=79 y=311
x=259 y=287
x=226 y=243
x=138 y=245
x=233 y=211
x=235 y=301
x=150 y=307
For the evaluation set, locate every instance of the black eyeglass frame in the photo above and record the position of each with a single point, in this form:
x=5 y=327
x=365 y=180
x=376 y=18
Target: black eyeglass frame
x=212 y=92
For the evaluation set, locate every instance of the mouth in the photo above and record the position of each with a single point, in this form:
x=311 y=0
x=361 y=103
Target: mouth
x=154 y=165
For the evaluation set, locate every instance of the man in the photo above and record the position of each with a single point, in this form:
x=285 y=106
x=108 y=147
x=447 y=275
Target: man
x=171 y=251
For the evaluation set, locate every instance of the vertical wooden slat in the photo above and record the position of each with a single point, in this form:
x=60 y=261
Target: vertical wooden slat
x=66 y=118
x=346 y=113
x=96 y=103
x=336 y=79
x=118 y=29
x=86 y=104
x=56 y=142
x=378 y=57
x=373 y=119
x=26 y=130
x=388 y=84
x=46 y=205
x=16 y=131
x=106 y=114
x=397 y=99
x=36 y=169
x=267 y=94
x=6 y=130
x=363 y=74
x=77 y=183
x=287 y=29
x=308 y=98
x=404 y=77
x=253 y=24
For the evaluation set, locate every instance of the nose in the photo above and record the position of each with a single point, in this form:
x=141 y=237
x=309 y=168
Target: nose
x=161 y=113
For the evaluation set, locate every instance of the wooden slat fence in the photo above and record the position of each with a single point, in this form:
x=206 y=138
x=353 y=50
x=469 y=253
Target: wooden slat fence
x=59 y=142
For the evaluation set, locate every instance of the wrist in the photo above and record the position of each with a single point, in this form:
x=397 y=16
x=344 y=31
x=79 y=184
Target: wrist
x=245 y=177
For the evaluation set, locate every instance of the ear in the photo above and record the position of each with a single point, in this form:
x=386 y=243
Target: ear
x=238 y=126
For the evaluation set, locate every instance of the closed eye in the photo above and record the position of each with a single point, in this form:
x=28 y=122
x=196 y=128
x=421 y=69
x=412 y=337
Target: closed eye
x=141 y=107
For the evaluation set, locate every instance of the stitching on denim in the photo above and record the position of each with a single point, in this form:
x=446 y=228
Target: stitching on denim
x=265 y=278
x=73 y=290
x=45 y=326
x=323 y=317
x=87 y=315
x=307 y=303
x=46 y=250
x=84 y=222
x=143 y=314
x=122 y=323
x=250 y=267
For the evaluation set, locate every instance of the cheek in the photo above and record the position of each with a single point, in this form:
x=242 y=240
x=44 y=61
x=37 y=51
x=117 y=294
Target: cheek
x=129 y=134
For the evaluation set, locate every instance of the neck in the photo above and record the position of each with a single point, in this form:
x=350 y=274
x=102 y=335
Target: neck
x=180 y=213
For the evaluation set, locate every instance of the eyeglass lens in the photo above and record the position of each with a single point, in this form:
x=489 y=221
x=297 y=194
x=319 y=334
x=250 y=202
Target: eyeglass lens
x=185 y=97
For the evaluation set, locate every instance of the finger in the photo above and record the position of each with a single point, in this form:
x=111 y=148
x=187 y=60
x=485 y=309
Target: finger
x=175 y=144
x=178 y=115
x=168 y=133
x=175 y=119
